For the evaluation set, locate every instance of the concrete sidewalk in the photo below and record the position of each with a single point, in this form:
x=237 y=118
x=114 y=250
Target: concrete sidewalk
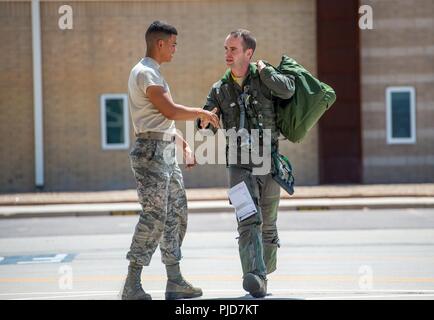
x=215 y=200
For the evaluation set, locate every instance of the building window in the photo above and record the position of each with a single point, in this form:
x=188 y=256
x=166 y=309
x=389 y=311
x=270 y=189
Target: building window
x=401 y=115
x=114 y=122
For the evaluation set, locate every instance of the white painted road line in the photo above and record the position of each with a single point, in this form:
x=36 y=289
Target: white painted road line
x=353 y=294
x=67 y=296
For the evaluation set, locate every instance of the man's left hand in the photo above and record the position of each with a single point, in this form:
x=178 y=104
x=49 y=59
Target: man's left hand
x=189 y=158
x=261 y=65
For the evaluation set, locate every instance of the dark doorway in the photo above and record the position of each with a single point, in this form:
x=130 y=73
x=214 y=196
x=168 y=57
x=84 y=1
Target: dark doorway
x=338 y=54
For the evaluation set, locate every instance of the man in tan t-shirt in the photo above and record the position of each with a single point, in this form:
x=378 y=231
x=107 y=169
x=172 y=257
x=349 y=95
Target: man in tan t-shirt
x=160 y=185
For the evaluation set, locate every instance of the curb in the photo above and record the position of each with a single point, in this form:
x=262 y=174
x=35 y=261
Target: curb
x=216 y=206
x=215 y=194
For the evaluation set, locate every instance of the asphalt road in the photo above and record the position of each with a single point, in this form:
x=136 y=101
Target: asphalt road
x=346 y=254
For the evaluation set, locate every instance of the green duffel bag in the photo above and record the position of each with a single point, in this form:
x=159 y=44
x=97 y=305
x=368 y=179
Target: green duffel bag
x=297 y=115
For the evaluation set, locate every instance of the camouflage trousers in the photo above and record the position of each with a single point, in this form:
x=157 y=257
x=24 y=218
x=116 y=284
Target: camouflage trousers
x=161 y=193
x=258 y=238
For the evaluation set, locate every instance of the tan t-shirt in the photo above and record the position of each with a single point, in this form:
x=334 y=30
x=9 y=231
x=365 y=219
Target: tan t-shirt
x=144 y=114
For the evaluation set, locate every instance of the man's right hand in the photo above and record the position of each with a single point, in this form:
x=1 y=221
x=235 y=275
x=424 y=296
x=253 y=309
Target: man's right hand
x=209 y=117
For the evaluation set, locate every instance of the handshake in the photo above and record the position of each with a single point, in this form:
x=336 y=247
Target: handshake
x=208 y=117
x=205 y=118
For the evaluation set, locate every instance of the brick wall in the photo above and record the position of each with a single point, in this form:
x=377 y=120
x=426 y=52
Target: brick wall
x=16 y=98
x=399 y=51
x=96 y=57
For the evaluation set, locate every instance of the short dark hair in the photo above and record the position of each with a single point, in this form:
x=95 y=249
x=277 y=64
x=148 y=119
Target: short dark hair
x=249 y=42
x=159 y=30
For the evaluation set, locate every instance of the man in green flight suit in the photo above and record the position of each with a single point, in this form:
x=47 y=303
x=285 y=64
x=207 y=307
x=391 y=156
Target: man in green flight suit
x=244 y=101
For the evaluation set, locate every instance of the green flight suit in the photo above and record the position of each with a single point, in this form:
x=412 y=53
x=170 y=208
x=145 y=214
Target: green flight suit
x=258 y=238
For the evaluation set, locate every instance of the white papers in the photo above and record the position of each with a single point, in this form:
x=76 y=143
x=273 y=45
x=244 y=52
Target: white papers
x=242 y=201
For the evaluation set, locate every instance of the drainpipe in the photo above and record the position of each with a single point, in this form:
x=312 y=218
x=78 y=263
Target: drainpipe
x=37 y=95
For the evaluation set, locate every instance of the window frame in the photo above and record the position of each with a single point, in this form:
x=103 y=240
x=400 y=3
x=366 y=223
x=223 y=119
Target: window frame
x=390 y=138
x=103 y=110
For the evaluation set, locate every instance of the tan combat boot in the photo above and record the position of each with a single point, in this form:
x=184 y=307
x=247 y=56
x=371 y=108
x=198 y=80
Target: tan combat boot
x=181 y=289
x=177 y=287
x=255 y=285
x=133 y=289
